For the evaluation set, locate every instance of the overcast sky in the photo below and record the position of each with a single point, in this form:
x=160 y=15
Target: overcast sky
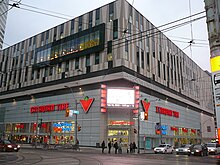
x=22 y=24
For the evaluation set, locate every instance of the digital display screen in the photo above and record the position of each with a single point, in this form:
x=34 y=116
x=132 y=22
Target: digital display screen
x=120 y=97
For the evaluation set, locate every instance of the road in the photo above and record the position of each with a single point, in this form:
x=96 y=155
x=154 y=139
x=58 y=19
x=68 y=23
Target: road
x=69 y=157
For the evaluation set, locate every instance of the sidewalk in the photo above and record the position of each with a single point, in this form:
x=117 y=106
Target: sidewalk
x=84 y=149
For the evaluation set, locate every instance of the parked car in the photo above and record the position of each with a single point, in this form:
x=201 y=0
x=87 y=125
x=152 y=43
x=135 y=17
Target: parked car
x=164 y=148
x=213 y=148
x=199 y=149
x=6 y=145
x=184 y=149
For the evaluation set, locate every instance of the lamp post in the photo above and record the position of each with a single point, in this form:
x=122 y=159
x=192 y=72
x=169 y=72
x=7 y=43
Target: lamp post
x=75 y=128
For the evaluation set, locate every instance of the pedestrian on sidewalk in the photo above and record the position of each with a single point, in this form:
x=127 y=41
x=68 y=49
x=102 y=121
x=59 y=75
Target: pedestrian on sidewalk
x=103 y=146
x=116 y=147
x=131 y=147
x=134 y=147
x=109 y=146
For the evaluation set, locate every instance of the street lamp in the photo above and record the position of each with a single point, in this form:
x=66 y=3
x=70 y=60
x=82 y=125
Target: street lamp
x=75 y=128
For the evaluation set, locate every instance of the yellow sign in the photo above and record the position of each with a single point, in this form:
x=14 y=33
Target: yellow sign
x=215 y=64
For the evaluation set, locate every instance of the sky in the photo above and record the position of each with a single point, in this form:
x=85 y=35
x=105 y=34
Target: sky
x=22 y=24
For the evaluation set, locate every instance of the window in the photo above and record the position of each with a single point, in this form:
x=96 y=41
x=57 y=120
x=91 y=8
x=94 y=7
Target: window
x=97 y=58
x=97 y=16
x=148 y=59
x=67 y=66
x=158 y=68
x=208 y=128
x=55 y=34
x=115 y=29
x=47 y=36
x=88 y=60
x=126 y=45
x=109 y=49
x=32 y=74
x=59 y=68
x=142 y=59
x=72 y=26
x=61 y=31
x=164 y=72
x=90 y=19
x=38 y=73
x=77 y=63
x=42 y=39
x=137 y=56
x=111 y=11
x=80 y=24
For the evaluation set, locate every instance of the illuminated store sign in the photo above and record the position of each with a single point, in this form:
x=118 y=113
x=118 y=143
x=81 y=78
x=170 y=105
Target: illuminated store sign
x=120 y=97
x=174 y=129
x=62 y=127
x=161 y=129
x=49 y=108
x=120 y=122
x=166 y=111
x=86 y=103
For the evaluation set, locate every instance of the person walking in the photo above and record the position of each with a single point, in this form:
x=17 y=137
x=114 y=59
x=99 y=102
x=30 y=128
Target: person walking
x=134 y=147
x=103 y=146
x=116 y=147
x=109 y=146
x=131 y=147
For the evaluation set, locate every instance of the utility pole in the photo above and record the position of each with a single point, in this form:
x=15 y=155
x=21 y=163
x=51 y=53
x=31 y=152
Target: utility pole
x=76 y=127
x=76 y=103
x=138 y=132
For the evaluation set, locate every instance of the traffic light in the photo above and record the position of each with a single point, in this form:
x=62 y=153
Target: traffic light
x=158 y=128
x=67 y=112
x=79 y=128
x=145 y=115
x=135 y=130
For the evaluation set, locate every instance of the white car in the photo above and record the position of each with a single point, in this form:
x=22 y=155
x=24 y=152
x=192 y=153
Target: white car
x=164 y=148
x=184 y=149
x=213 y=148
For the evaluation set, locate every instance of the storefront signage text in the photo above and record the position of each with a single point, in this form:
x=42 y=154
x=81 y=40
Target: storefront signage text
x=62 y=127
x=49 y=108
x=174 y=129
x=166 y=111
x=121 y=123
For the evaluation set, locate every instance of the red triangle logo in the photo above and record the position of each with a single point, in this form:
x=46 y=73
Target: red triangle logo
x=86 y=104
x=146 y=105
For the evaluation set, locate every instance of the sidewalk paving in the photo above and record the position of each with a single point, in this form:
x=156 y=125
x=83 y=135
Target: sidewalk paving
x=84 y=149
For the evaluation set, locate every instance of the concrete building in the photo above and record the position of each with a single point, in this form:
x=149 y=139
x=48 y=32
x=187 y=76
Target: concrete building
x=104 y=64
x=3 y=18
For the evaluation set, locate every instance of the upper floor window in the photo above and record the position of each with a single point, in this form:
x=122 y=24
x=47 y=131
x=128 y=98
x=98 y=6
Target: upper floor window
x=90 y=19
x=77 y=63
x=111 y=11
x=115 y=29
x=97 y=16
x=80 y=24
x=72 y=26
x=88 y=60
x=97 y=58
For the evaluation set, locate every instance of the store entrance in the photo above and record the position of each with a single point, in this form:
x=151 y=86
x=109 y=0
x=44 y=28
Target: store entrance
x=119 y=135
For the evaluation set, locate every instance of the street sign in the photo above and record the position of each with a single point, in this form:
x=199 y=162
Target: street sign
x=74 y=112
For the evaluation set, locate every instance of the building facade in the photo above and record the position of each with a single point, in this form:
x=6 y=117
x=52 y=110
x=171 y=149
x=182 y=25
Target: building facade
x=3 y=18
x=116 y=57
